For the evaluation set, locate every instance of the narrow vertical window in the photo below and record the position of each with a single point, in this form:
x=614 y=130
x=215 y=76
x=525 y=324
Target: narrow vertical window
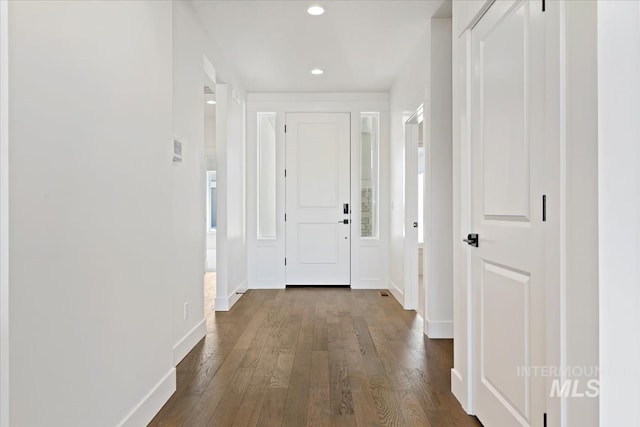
x=266 y=175
x=369 y=145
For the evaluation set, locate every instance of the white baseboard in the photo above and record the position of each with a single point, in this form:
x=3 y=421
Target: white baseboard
x=441 y=329
x=225 y=303
x=369 y=284
x=244 y=287
x=186 y=344
x=151 y=404
x=397 y=293
x=267 y=285
x=459 y=391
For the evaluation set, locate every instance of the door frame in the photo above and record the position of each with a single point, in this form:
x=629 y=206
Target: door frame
x=4 y=214
x=209 y=79
x=411 y=210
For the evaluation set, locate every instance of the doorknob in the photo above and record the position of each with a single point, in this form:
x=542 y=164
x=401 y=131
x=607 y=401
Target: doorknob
x=343 y=221
x=472 y=240
x=415 y=225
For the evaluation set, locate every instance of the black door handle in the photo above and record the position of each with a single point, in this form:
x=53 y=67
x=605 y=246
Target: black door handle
x=415 y=225
x=472 y=240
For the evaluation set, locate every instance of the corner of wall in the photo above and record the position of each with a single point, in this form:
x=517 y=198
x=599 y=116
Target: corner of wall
x=189 y=341
x=397 y=293
x=151 y=404
x=459 y=390
x=439 y=329
x=226 y=303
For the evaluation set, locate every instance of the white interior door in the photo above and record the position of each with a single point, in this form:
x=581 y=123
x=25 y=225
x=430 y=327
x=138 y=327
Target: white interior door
x=507 y=174
x=318 y=224
x=412 y=220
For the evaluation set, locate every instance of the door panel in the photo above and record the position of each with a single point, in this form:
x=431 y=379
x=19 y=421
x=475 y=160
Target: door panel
x=317 y=188
x=507 y=172
x=411 y=289
x=318 y=164
x=318 y=243
x=505 y=295
x=505 y=145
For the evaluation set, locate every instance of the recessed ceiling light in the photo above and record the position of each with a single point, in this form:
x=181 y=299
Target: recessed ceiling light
x=317 y=71
x=211 y=102
x=315 y=10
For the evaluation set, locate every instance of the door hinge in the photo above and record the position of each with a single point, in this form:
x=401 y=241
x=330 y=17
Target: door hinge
x=285 y=128
x=544 y=420
x=285 y=217
x=285 y=173
x=544 y=6
x=285 y=261
x=544 y=208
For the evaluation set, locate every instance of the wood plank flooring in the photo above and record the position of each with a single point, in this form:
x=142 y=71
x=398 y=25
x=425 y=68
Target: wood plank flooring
x=315 y=357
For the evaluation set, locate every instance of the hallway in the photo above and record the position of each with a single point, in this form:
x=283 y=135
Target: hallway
x=313 y=356
x=319 y=144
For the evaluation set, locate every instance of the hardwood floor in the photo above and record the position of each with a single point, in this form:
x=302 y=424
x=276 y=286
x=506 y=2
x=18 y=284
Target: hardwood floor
x=315 y=357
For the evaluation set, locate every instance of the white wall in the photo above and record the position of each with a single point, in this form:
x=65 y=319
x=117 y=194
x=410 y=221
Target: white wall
x=426 y=78
x=90 y=212
x=210 y=131
x=192 y=45
x=189 y=180
x=579 y=190
x=409 y=91
x=231 y=262
x=438 y=192
x=619 y=209
x=236 y=180
x=4 y=215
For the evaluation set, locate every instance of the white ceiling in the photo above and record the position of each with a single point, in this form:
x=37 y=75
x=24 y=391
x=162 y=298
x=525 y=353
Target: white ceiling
x=273 y=45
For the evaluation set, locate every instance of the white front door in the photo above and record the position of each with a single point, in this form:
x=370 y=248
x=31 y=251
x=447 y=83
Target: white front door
x=507 y=148
x=318 y=225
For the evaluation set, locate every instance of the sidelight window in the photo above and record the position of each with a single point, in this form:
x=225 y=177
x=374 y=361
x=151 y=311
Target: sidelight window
x=266 y=175
x=369 y=175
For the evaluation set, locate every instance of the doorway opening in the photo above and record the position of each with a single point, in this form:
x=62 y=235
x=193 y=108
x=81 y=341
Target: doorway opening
x=211 y=193
x=415 y=167
x=420 y=198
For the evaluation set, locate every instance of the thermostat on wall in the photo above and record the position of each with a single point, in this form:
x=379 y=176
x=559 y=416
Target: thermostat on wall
x=177 y=151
